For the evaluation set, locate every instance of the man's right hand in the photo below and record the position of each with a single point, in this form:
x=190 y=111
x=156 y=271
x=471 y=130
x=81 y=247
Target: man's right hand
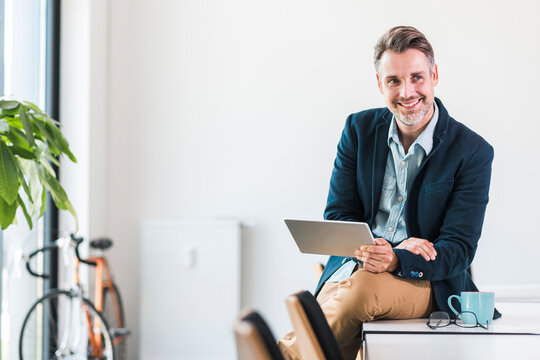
x=419 y=247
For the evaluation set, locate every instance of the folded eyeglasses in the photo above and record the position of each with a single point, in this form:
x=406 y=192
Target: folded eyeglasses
x=440 y=319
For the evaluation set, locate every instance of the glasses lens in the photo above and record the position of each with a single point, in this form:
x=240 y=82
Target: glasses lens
x=466 y=319
x=438 y=319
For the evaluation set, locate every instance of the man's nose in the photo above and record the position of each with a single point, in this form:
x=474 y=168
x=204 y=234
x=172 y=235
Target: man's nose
x=407 y=90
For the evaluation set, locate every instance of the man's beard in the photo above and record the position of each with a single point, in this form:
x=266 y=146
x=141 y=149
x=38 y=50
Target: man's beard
x=414 y=117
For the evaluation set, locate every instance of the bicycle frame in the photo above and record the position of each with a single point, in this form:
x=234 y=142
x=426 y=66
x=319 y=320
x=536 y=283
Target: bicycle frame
x=102 y=279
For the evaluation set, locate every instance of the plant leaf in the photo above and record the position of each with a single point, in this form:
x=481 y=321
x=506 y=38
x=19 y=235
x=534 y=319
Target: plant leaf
x=51 y=120
x=53 y=149
x=20 y=144
x=58 y=193
x=51 y=158
x=41 y=151
x=25 y=212
x=17 y=137
x=41 y=126
x=13 y=121
x=47 y=166
x=27 y=125
x=51 y=142
x=33 y=106
x=29 y=169
x=4 y=126
x=22 y=152
x=8 y=104
x=53 y=186
x=60 y=142
x=71 y=210
x=9 y=179
x=37 y=121
x=23 y=182
x=7 y=213
x=43 y=202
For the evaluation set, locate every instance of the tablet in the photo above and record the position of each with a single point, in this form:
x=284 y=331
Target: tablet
x=329 y=237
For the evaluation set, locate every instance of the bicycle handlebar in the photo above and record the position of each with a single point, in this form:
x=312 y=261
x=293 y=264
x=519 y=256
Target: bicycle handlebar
x=34 y=253
x=79 y=240
x=56 y=245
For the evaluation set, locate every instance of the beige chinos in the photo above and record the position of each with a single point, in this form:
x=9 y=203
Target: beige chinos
x=363 y=297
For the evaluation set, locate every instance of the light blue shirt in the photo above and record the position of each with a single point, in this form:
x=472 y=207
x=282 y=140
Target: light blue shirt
x=399 y=173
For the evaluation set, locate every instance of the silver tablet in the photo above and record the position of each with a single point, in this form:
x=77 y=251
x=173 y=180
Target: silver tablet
x=329 y=237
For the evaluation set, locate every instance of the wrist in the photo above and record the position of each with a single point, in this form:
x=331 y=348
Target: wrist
x=393 y=263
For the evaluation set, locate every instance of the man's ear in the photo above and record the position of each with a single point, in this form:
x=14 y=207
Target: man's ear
x=435 y=75
x=379 y=83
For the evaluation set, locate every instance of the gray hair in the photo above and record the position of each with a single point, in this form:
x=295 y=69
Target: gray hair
x=400 y=39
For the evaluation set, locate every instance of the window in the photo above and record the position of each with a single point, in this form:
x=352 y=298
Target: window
x=28 y=71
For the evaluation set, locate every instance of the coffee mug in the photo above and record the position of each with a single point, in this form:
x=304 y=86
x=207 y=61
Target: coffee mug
x=482 y=304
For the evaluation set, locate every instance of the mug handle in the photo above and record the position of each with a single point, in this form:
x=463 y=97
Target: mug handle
x=450 y=302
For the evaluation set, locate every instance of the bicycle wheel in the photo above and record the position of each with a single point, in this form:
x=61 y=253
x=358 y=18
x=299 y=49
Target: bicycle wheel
x=62 y=325
x=113 y=312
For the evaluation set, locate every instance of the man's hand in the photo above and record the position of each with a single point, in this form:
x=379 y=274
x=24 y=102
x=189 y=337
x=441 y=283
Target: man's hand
x=378 y=258
x=419 y=247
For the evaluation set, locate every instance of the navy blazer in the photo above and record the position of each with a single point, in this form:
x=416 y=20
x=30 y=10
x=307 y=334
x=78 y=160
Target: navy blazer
x=446 y=200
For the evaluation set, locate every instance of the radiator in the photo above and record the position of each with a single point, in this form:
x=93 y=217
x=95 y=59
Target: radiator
x=190 y=289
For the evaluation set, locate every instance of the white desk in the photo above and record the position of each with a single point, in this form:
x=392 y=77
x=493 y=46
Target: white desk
x=515 y=336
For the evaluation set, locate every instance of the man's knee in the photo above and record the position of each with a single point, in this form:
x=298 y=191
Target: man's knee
x=360 y=295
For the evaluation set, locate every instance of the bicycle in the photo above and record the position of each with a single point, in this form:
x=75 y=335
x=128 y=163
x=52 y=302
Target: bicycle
x=64 y=324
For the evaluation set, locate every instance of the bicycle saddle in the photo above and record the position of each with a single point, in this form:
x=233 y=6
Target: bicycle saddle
x=101 y=243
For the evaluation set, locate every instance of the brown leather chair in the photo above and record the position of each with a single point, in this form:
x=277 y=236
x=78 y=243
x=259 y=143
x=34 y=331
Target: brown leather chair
x=313 y=335
x=254 y=339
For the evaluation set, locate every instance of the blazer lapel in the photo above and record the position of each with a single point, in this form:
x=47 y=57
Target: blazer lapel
x=440 y=129
x=380 y=157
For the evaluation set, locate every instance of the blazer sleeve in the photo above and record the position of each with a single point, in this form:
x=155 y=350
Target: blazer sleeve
x=461 y=225
x=343 y=200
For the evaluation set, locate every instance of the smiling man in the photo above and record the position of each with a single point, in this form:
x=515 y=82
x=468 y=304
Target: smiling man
x=420 y=179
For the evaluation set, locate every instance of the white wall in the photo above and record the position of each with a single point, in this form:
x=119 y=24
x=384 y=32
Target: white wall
x=234 y=108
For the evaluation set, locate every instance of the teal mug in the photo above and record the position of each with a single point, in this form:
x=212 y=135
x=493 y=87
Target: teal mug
x=482 y=304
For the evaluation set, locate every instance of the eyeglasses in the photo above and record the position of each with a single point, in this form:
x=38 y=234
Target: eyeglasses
x=440 y=319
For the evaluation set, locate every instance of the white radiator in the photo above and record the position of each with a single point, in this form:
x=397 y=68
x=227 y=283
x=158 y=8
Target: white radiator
x=190 y=289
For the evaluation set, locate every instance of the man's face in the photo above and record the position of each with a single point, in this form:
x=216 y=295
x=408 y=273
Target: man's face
x=406 y=80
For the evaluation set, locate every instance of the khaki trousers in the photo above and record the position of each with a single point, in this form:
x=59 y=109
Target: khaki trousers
x=364 y=297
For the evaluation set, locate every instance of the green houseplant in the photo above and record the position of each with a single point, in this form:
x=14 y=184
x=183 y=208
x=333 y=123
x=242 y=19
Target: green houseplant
x=30 y=141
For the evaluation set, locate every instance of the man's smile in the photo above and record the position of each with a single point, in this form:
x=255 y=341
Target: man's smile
x=410 y=104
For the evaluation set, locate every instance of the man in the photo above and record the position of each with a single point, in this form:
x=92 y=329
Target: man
x=420 y=179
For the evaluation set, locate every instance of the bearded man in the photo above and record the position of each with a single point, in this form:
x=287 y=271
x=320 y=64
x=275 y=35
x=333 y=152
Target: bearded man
x=420 y=179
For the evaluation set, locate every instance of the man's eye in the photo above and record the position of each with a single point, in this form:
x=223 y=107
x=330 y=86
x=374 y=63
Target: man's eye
x=417 y=77
x=393 y=81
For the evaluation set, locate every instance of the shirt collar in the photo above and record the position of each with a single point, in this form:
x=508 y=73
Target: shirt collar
x=425 y=139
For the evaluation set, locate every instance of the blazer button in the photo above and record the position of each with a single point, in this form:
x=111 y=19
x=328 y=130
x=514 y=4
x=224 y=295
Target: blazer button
x=420 y=274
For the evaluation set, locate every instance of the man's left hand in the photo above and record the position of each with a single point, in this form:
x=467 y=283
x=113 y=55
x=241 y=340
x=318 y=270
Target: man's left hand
x=378 y=258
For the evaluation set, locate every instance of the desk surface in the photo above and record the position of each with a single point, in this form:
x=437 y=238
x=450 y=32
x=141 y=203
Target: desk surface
x=517 y=318
x=510 y=337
